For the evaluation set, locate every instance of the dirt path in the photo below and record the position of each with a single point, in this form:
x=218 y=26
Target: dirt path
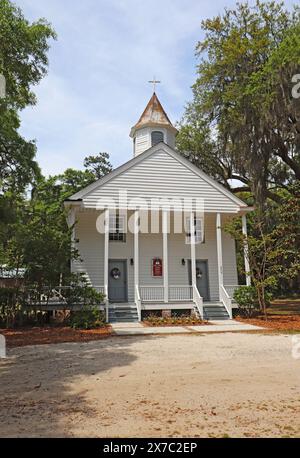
x=185 y=385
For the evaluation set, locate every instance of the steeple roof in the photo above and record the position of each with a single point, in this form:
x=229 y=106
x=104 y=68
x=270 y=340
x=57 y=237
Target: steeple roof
x=153 y=115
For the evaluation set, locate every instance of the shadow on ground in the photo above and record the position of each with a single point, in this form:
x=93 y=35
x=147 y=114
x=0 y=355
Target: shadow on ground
x=39 y=371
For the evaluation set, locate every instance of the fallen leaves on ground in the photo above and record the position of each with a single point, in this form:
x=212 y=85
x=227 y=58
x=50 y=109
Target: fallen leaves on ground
x=275 y=322
x=21 y=337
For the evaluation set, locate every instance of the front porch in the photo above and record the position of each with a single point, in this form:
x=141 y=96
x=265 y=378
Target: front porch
x=191 y=294
x=150 y=300
x=194 y=267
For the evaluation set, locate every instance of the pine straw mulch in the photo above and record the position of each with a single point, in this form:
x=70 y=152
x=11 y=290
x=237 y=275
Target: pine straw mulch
x=275 y=322
x=282 y=316
x=21 y=337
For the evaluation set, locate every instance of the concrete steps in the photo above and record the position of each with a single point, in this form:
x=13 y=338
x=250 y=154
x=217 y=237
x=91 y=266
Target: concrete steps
x=122 y=313
x=215 y=311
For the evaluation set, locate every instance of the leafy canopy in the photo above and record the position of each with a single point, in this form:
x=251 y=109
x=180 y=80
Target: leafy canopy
x=243 y=122
x=23 y=63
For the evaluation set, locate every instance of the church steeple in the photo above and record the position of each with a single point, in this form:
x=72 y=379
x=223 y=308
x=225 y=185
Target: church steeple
x=153 y=127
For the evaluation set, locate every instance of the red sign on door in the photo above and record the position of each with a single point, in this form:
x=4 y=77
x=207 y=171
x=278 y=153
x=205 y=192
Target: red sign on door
x=157 y=267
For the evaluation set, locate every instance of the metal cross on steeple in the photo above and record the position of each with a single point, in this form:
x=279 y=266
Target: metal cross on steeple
x=154 y=82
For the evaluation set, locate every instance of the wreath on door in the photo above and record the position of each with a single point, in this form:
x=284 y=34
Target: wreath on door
x=198 y=272
x=115 y=273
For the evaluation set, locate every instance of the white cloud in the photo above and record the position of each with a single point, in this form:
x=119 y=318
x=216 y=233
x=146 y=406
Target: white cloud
x=97 y=87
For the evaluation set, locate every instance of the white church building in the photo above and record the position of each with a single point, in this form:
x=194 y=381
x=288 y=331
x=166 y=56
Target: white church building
x=150 y=233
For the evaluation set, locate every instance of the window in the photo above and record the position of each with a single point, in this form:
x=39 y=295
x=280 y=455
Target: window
x=199 y=230
x=156 y=137
x=117 y=232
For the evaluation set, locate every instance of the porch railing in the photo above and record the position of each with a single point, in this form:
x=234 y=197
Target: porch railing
x=152 y=293
x=58 y=295
x=181 y=293
x=99 y=289
x=177 y=293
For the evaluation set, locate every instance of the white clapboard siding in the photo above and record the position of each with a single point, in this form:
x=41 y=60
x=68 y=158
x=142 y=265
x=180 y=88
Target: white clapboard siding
x=178 y=250
x=229 y=257
x=91 y=247
x=151 y=246
x=142 y=141
x=160 y=175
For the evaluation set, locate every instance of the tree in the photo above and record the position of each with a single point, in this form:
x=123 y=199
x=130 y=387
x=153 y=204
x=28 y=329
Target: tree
x=286 y=232
x=35 y=234
x=23 y=63
x=242 y=100
x=72 y=181
x=18 y=167
x=23 y=54
x=273 y=245
x=98 y=165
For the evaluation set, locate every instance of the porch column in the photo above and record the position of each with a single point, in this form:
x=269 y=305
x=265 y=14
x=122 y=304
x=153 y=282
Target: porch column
x=219 y=251
x=246 y=260
x=71 y=218
x=136 y=252
x=165 y=254
x=193 y=248
x=105 y=267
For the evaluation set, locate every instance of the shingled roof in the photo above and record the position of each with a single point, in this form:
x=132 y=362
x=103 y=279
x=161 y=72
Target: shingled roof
x=153 y=115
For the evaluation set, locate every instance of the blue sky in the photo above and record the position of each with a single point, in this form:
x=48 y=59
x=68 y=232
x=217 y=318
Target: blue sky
x=96 y=87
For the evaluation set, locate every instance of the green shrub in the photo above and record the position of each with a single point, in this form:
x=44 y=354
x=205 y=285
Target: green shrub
x=174 y=320
x=88 y=317
x=247 y=300
x=81 y=292
x=21 y=306
x=14 y=312
x=10 y=306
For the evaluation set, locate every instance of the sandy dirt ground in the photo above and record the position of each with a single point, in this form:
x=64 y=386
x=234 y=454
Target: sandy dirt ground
x=220 y=385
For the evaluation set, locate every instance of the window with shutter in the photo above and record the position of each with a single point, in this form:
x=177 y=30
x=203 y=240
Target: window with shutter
x=199 y=230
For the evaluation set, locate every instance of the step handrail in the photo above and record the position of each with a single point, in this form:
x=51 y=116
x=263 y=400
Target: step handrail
x=106 y=301
x=198 y=300
x=138 y=302
x=226 y=300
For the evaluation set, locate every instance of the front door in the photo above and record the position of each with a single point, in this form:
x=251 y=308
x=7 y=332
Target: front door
x=201 y=278
x=117 y=280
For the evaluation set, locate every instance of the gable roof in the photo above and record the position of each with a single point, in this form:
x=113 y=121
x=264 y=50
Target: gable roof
x=160 y=148
x=153 y=115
